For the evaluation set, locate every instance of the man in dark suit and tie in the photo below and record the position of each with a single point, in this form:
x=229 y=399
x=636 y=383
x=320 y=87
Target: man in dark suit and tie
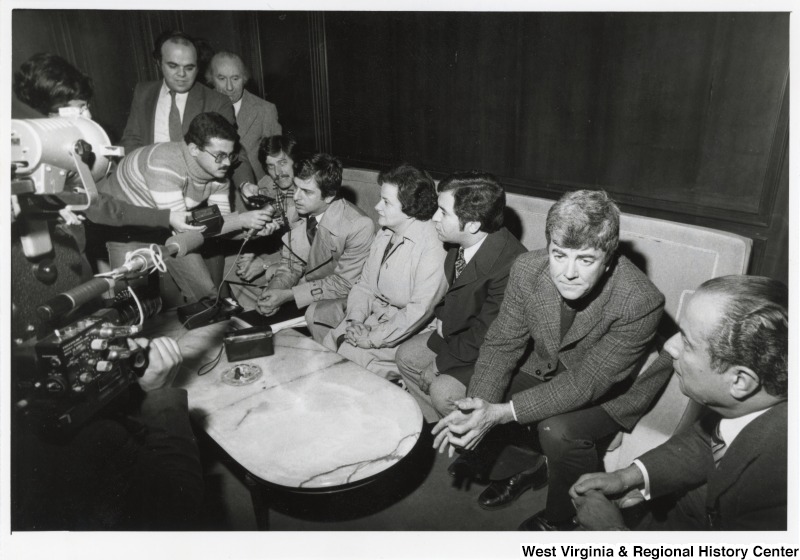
x=255 y=117
x=161 y=111
x=470 y=219
x=729 y=471
x=588 y=316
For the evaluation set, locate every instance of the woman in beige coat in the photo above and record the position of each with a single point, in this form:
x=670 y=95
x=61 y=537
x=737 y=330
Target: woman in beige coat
x=403 y=277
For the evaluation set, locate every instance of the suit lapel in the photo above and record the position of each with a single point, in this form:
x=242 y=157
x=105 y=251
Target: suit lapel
x=547 y=302
x=449 y=265
x=194 y=106
x=587 y=319
x=747 y=447
x=245 y=119
x=151 y=99
x=480 y=264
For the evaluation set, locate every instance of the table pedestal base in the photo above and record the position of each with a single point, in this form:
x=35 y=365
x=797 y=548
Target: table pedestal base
x=259 y=494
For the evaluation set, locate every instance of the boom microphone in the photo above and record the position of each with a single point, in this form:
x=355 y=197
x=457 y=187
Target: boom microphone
x=65 y=302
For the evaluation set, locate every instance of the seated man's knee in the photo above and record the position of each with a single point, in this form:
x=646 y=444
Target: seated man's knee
x=557 y=437
x=404 y=358
x=444 y=391
x=323 y=316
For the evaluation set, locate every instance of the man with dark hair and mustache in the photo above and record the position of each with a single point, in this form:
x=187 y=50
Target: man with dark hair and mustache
x=256 y=267
x=181 y=176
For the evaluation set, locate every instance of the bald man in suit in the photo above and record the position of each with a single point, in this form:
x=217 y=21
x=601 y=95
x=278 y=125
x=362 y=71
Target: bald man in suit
x=255 y=117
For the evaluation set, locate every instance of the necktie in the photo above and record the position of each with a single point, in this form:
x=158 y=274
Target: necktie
x=717 y=445
x=311 y=229
x=175 y=132
x=460 y=263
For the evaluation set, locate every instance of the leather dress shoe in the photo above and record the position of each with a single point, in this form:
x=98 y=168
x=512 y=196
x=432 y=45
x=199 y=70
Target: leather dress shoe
x=501 y=493
x=470 y=465
x=539 y=523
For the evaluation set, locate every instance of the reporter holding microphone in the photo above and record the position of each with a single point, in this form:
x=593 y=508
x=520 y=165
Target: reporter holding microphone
x=180 y=176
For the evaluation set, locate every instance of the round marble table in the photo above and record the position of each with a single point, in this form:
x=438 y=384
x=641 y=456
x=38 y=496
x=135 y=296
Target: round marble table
x=313 y=421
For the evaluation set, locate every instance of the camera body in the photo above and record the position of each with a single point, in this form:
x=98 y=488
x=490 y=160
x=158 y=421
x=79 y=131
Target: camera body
x=67 y=377
x=210 y=217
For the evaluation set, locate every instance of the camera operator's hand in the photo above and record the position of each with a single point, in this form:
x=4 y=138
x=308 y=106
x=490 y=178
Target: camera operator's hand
x=165 y=361
x=256 y=219
x=177 y=221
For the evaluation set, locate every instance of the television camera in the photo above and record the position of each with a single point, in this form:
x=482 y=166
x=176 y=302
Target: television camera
x=75 y=357
x=54 y=165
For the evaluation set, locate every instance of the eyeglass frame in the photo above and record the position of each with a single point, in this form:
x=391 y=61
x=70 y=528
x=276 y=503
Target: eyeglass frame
x=233 y=157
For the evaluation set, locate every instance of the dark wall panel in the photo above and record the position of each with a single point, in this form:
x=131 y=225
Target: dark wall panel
x=281 y=39
x=681 y=116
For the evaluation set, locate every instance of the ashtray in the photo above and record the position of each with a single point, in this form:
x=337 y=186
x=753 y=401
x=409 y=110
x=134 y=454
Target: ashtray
x=241 y=374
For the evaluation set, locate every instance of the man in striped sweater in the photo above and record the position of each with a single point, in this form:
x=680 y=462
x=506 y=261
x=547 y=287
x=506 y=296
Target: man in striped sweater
x=180 y=176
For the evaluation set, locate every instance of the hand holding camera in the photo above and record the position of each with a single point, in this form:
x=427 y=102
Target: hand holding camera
x=164 y=361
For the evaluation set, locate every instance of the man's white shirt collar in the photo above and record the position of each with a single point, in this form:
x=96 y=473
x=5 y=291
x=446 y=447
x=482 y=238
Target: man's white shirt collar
x=469 y=252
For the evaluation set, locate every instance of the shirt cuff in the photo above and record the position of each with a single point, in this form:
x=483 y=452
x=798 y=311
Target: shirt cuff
x=641 y=467
x=513 y=411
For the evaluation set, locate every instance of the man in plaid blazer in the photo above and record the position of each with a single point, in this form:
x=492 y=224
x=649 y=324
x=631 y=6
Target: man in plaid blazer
x=590 y=316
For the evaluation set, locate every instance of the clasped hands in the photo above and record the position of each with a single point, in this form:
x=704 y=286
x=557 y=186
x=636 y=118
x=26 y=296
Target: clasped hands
x=598 y=498
x=466 y=426
x=357 y=334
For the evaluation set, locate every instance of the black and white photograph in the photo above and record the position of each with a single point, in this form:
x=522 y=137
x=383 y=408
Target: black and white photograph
x=370 y=280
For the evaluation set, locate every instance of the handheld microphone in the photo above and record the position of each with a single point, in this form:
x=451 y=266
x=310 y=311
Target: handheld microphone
x=176 y=246
x=182 y=243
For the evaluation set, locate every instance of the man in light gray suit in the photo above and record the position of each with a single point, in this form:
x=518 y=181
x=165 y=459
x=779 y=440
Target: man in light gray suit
x=255 y=118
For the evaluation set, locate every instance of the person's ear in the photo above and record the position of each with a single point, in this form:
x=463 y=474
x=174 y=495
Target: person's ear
x=472 y=227
x=329 y=199
x=193 y=149
x=744 y=382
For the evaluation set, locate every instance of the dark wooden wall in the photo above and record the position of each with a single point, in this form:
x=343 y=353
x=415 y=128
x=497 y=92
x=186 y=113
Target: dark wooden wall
x=679 y=116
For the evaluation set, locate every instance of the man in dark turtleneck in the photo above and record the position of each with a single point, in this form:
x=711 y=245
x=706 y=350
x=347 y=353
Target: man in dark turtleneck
x=590 y=316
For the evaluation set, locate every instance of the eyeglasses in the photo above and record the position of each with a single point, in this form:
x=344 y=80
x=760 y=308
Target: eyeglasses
x=232 y=157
